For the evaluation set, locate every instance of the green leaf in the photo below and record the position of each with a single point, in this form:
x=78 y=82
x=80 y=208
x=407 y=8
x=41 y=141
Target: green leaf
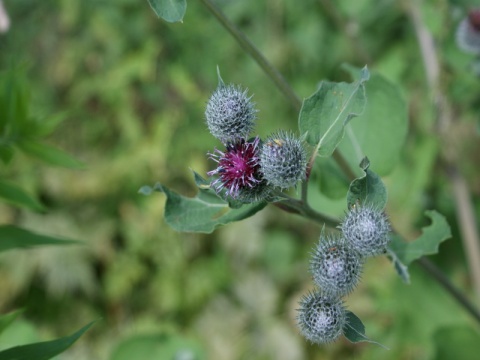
x=426 y=244
x=380 y=131
x=368 y=189
x=50 y=155
x=203 y=213
x=12 y=237
x=18 y=196
x=6 y=153
x=324 y=114
x=42 y=350
x=169 y=10
x=354 y=330
x=330 y=178
x=7 y=319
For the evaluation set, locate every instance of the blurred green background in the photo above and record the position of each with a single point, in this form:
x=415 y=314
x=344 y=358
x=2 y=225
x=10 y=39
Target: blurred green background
x=132 y=91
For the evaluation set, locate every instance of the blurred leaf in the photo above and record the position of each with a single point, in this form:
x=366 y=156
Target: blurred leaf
x=368 y=189
x=7 y=319
x=12 y=237
x=14 y=100
x=6 y=153
x=18 y=196
x=169 y=10
x=50 y=154
x=381 y=129
x=425 y=244
x=45 y=126
x=160 y=346
x=42 y=350
x=458 y=342
x=354 y=330
x=203 y=213
x=325 y=114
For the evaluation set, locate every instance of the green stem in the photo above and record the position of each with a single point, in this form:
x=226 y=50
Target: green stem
x=438 y=275
x=300 y=207
x=248 y=46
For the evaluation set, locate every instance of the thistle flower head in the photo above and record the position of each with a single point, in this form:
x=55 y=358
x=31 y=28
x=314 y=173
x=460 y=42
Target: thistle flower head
x=468 y=33
x=238 y=171
x=230 y=113
x=321 y=318
x=283 y=160
x=366 y=230
x=335 y=266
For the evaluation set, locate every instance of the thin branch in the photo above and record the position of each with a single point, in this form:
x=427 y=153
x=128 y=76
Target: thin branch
x=248 y=46
x=434 y=271
x=299 y=207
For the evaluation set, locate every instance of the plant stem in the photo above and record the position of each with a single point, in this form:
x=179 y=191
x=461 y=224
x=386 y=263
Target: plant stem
x=302 y=208
x=434 y=271
x=248 y=46
x=270 y=70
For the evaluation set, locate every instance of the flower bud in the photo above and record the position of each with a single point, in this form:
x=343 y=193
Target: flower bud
x=230 y=114
x=366 y=230
x=283 y=160
x=335 y=266
x=320 y=318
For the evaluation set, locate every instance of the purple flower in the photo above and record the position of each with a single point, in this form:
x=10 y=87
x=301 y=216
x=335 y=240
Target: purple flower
x=238 y=170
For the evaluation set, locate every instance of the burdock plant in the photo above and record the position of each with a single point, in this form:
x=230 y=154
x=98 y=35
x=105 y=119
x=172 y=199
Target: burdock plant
x=289 y=171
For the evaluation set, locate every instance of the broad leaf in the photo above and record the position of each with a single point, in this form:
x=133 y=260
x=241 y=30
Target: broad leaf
x=203 y=213
x=354 y=330
x=426 y=244
x=12 y=237
x=368 y=189
x=380 y=131
x=169 y=10
x=49 y=154
x=42 y=350
x=325 y=114
x=18 y=196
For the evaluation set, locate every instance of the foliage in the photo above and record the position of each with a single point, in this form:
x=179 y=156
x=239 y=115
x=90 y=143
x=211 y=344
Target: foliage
x=132 y=91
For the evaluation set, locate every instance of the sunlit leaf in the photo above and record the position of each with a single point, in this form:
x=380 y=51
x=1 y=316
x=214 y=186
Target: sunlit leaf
x=169 y=10
x=42 y=350
x=325 y=114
